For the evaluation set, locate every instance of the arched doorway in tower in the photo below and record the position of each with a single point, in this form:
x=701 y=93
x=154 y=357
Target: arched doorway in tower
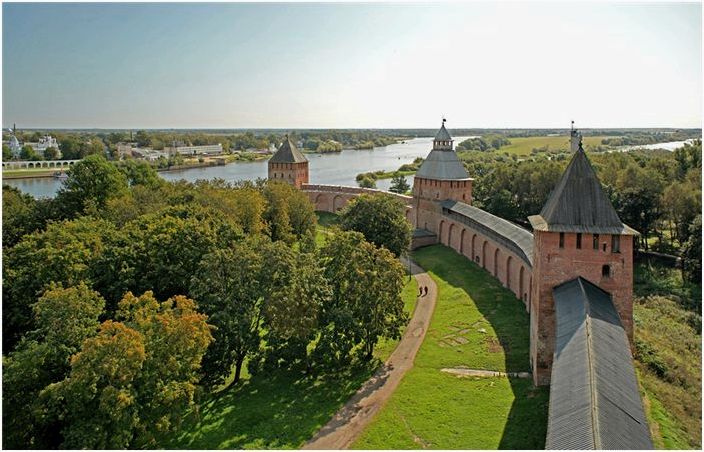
x=462 y=234
x=484 y=255
x=496 y=263
x=508 y=273
x=440 y=231
x=449 y=235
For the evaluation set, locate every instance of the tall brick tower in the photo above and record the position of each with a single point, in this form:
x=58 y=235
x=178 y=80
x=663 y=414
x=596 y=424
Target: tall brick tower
x=441 y=177
x=289 y=165
x=578 y=233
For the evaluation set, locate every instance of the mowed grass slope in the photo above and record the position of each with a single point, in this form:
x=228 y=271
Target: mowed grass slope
x=477 y=324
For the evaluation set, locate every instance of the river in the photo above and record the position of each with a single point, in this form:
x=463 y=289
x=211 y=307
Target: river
x=339 y=168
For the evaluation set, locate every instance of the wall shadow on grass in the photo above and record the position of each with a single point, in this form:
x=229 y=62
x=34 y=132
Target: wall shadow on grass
x=281 y=410
x=526 y=425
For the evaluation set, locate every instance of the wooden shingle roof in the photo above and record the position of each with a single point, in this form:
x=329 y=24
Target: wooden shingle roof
x=288 y=153
x=578 y=203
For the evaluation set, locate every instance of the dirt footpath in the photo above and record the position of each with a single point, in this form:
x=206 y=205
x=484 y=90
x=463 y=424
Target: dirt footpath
x=353 y=417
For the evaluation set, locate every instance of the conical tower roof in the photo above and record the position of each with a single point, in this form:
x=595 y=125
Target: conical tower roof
x=578 y=203
x=288 y=153
x=443 y=134
x=442 y=163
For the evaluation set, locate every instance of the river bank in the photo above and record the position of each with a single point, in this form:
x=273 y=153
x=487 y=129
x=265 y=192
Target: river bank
x=338 y=168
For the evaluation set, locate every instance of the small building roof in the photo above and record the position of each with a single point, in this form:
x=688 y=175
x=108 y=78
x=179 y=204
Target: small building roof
x=288 y=153
x=578 y=203
x=594 y=398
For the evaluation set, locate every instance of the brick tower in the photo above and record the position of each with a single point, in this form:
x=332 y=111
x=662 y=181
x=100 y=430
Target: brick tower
x=578 y=233
x=441 y=177
x=289 y=165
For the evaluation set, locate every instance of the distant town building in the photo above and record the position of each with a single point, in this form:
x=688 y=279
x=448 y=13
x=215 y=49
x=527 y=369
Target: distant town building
x=148 y=154
x=45 y=142
x=210 y=149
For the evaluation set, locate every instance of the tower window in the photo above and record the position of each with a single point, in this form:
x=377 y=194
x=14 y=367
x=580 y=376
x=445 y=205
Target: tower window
x=615 y=243
x=562 y=239
x=605 y=271
x=595 y=242
x=579 y=240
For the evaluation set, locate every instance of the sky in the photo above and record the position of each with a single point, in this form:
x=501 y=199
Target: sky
x=293 y=65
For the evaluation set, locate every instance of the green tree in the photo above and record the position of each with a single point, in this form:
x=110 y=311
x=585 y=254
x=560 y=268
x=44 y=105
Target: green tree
x=65 y=253
x=365 y=302
x=51 y=153
x=64 y=319
x=289 y=214
x=98 y=402
x=18 y=215
x=692 y=252
x=6 y=153
x=134 y=380
x=143 y=139
x=294 y=290
x=70 y=148
x=91 y=182
x=140 y=173
x=28 y=153
x=176 y=336
x=162 y=250
x=399 y=184
x=366 y=182
x=381 y=219
x=503 y=204
x=228 y=288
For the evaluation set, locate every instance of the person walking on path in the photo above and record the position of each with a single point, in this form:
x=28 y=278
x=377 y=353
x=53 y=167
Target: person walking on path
x=426 y=291
x=420 y=291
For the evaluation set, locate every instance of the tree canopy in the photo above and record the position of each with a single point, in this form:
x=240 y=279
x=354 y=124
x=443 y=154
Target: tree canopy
x=381 y=219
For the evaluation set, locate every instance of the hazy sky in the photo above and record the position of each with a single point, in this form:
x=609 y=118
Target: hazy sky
x=352 y=65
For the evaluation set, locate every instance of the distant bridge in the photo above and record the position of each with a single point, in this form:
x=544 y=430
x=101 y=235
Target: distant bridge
x=58 y=164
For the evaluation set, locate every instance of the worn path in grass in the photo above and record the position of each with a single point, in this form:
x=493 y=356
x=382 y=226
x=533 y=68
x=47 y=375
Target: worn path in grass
x=349 y=422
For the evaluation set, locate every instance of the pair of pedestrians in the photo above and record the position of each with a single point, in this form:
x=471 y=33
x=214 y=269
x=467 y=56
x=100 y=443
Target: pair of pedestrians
x=422 y=291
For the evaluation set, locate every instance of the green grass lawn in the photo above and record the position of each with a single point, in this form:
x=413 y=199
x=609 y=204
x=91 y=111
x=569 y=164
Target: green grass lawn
x=477 y=324
x=524 y=146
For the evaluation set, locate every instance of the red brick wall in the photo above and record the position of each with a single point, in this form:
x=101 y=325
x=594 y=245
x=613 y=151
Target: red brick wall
x=295 y=174
x=441 y=190
x=553 y=265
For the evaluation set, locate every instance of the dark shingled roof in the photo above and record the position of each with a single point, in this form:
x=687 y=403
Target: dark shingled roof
x=578 y=204
x=442 y=162
x=288 y=153
x=514 y=238
x=442 y=165
x=594 y=397
x=443 y=134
